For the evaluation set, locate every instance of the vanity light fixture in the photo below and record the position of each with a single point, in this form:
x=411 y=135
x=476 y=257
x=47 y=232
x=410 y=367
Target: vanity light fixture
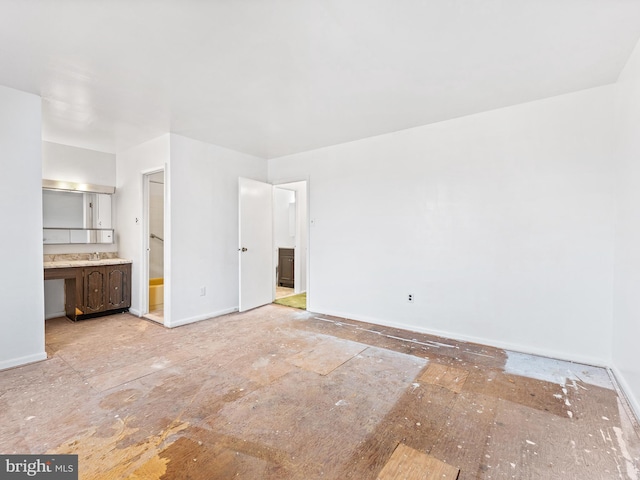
x=76 y=187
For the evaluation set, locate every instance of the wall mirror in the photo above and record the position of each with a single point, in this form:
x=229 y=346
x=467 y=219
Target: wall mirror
x=76 y=215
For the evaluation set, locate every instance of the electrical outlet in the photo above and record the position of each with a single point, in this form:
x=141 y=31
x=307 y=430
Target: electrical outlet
x=203 y=291
x=410 y=298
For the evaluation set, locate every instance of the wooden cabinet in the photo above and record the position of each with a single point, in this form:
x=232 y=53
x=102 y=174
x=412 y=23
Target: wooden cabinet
x=94 y=290
x=106 y=288
x=285 y=267
x=118 y=292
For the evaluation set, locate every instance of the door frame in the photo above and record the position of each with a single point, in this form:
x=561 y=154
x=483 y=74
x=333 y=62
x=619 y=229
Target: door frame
x=145 y=244
x=283 y=181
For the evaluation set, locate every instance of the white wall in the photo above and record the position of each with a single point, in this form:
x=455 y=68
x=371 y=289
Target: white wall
x=130 y=165
x=21 y=285
x=500 y=224
x=54 y=299
x=79 y=165
x=626 y=327
x=204 y=227
x=282 y=199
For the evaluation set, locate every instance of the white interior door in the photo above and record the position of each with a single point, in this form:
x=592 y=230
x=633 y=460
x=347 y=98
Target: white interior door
x=256 y=238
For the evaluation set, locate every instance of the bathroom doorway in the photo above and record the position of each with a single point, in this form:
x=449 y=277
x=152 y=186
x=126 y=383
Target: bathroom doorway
x=154 y=223
x=290 y=243
x=259 y=249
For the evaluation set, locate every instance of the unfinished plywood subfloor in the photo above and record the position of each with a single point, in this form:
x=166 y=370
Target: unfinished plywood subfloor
x=445 y=376
x=326 y=354
x=409 y=464
x=277 y=393
x=156 y=316
x=282 y=292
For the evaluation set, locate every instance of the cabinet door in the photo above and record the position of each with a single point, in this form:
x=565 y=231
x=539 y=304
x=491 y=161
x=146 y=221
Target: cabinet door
x=118 y=286
x=285 y=267
x=54 y=236
x=94 y=288
x=103 y=211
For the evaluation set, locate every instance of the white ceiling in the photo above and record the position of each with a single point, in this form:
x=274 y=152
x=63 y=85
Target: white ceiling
x=272 y=77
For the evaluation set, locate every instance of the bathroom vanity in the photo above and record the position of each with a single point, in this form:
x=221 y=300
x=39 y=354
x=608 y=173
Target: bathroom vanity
x=92 y=287
x=94 y=283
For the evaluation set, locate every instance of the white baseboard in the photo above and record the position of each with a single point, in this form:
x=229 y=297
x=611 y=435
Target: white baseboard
x=632 y=400
x=17 y=362
x=514 y=347
x=55 y=315
x=135 y=312
x=198 y=318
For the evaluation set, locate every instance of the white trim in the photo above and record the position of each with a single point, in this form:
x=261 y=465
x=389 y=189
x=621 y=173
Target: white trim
x=144 y=258
x=199 y=318
x=275 y=260
x=166 y=262
x=18 y=362
x=135 y=311
x=631 y=400
x=55 y=315
x=514 y=347
x=143 y=286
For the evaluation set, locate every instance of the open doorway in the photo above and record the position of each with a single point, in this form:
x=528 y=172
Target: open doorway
x=290 y=244
x=154 y=237
x=258 y=248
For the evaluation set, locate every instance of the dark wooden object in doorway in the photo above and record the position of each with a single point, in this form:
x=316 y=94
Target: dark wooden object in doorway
x=285 y=267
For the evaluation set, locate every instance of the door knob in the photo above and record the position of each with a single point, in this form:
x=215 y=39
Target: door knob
x=243 y=249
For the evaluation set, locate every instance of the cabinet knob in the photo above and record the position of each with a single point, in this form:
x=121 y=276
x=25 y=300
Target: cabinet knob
x=116 y=288
x=96 y=290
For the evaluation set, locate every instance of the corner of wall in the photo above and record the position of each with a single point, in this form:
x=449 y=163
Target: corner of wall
x=627 y=391
x=626 y=329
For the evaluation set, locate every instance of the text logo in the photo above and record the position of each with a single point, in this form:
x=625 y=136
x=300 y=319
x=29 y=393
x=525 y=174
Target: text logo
x=50 y=467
